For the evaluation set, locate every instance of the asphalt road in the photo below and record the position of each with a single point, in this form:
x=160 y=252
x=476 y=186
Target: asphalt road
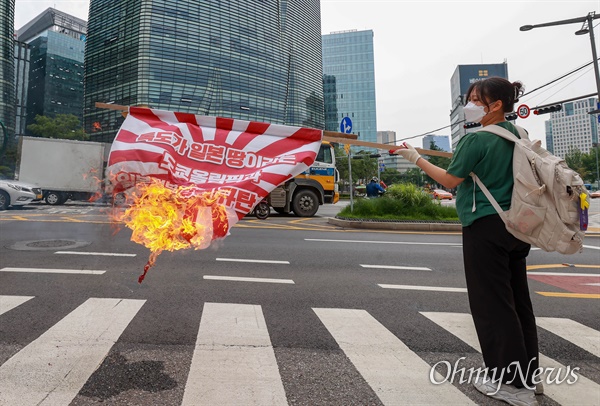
x=283 y=311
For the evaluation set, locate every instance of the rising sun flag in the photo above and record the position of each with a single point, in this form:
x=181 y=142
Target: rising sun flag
x=189 y=178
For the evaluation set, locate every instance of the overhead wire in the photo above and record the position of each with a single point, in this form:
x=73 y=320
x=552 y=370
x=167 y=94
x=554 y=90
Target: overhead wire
x=525 y=94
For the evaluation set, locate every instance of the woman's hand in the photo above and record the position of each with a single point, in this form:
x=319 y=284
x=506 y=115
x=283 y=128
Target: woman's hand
x=407 y=151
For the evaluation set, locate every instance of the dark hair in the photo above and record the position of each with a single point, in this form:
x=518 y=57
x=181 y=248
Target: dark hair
x=497 y=88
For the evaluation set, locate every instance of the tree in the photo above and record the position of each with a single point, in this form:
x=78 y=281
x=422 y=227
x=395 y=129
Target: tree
x=413 y=175
x=574 y=160
x=439 y=161
x=63 y=126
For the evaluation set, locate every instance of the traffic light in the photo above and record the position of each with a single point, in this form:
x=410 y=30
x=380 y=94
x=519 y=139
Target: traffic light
x=548 y=109
x=511 y=116
x=362 y=156
x=471 y=125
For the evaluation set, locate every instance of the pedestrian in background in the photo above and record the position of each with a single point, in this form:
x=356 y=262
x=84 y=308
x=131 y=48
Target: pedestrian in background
x=494 y=260
x=374 y=189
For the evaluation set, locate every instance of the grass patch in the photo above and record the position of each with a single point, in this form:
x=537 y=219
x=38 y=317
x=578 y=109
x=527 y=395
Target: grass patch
x=401 y=202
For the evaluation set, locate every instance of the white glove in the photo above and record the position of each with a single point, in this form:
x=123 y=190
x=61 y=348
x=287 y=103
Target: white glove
x=408 y=152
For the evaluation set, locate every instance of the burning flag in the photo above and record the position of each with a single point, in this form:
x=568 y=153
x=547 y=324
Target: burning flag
x=189 y=178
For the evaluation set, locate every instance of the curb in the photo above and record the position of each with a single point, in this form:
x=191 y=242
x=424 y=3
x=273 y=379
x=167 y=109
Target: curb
x=401 y=226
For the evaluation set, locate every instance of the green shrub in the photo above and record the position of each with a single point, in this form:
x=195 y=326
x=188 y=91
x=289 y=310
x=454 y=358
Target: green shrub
x=401 y=202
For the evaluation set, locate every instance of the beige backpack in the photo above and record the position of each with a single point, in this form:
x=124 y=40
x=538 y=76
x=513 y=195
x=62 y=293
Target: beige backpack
x=545 y=198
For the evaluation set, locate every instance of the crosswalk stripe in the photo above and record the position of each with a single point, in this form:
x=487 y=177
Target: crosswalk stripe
x=582 y=336
x=583 y=392
x=394 y=372
x=233 y=362
x=10 y=302
x=53 y=368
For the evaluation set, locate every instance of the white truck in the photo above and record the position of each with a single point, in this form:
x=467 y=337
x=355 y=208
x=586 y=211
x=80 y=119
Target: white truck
x=64 y=169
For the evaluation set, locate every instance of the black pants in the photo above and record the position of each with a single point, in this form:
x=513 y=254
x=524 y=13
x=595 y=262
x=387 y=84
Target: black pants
x=495 y=270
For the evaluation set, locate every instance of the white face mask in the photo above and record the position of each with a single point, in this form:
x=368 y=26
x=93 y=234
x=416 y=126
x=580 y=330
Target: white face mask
x=473 y=112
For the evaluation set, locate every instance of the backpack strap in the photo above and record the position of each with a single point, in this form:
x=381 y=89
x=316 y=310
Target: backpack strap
x=487 y=194
x=507 y=135
x=504 y=133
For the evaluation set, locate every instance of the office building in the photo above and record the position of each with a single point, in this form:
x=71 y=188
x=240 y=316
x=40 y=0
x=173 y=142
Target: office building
x=56 y=42
x=440 y=141
x=260 y=62
x=7 y=69
x=462 y=78
x=349 y=77
x=572 y=128
x=22 y=59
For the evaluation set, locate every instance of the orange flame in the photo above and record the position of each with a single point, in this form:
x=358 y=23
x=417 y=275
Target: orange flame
x=165 y=219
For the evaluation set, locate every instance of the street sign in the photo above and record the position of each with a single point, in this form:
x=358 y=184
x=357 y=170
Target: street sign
x=523 y=111
x=346 y=125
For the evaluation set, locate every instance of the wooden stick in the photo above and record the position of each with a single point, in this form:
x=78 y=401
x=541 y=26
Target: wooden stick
x=111 y=106
x=386 y=147
x=331 y=136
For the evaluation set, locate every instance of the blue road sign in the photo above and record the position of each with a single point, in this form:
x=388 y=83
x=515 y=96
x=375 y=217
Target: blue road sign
x=346 y=125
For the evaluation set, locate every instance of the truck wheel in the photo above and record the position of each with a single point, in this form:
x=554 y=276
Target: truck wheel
x=54 y=198
x=262 y=210
x=305 y=203
x=4 y=200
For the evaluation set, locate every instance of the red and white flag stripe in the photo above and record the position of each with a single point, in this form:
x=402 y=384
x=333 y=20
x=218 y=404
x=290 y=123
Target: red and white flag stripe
x=245 y=158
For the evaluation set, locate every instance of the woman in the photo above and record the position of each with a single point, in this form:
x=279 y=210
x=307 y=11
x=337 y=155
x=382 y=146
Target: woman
x=494 y=259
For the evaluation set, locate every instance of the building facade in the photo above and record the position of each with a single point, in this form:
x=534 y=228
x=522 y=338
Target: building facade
x=56 y=46
x=440 y=141
x=572 y=128
x=349 y=64
x=462 y=78
x=22 y=58
x=7 y=71
x=260 y=63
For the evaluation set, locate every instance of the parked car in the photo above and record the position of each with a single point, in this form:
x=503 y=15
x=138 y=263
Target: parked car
x=595 y=195
x=441 y=194
x=15 y=193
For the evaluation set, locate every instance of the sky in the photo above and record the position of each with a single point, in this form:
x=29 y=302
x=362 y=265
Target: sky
x=419 y=44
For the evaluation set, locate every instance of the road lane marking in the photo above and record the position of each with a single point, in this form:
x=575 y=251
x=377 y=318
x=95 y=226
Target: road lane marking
x=592 y=284
x=549 y=266
x=583 y=392
x=43 y=270
x=384 y=242
x=256 y=261
x=395 y=373
x=233 y=361
x=431 y=288
x=408 y=268
x=247 y=279
x=53 y=368
x=582 y=336
x=107 y=254
x=562 y=274
x=10 y=302
x=591 y=247
x=570 y=295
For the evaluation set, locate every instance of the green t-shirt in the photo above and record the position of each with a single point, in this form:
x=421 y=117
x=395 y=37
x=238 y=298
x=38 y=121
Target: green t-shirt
x=490 y=157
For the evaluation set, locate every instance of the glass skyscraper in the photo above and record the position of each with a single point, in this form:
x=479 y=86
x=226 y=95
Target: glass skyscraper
x=55 y=46
x=7 y=69
x=252 y=60
x=349 y=82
